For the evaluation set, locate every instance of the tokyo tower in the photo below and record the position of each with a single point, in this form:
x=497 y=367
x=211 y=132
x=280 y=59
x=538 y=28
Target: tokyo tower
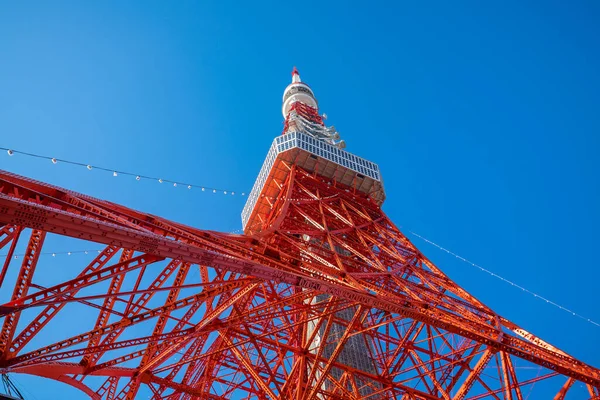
x=322 y=297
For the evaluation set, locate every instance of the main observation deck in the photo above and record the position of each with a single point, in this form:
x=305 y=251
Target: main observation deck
x=312 y=154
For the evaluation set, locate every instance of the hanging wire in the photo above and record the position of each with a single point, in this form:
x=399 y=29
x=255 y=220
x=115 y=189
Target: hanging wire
x=506 y=280
x=94 y=251
x=57 y=253
x=138 y=177
x=116 y=172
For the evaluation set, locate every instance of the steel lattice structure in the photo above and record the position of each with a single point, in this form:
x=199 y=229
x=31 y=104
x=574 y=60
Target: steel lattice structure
x=322 y=298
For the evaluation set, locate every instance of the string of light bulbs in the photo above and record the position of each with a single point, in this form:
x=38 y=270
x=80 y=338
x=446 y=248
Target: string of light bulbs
x=57 y=253
x=139 y=177
x=565 y=309
x=116 y=172
x=68 y=253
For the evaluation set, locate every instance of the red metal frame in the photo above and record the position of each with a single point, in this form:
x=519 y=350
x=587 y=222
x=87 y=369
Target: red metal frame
x=308 y=112
x=188 y=313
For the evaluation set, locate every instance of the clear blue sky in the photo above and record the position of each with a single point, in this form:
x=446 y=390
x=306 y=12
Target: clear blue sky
x=483 y=118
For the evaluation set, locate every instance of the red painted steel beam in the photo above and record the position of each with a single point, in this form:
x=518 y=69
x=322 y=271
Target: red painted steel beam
x=8 y=234
x=21 y=287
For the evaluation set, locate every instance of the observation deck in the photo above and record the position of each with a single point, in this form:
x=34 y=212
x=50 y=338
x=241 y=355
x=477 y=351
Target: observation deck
x=314 y=155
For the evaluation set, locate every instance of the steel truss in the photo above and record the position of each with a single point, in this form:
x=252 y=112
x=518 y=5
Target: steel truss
x=185 y=313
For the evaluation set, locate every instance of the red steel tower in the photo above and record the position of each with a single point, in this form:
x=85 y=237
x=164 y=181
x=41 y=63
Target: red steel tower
x=322 y=297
